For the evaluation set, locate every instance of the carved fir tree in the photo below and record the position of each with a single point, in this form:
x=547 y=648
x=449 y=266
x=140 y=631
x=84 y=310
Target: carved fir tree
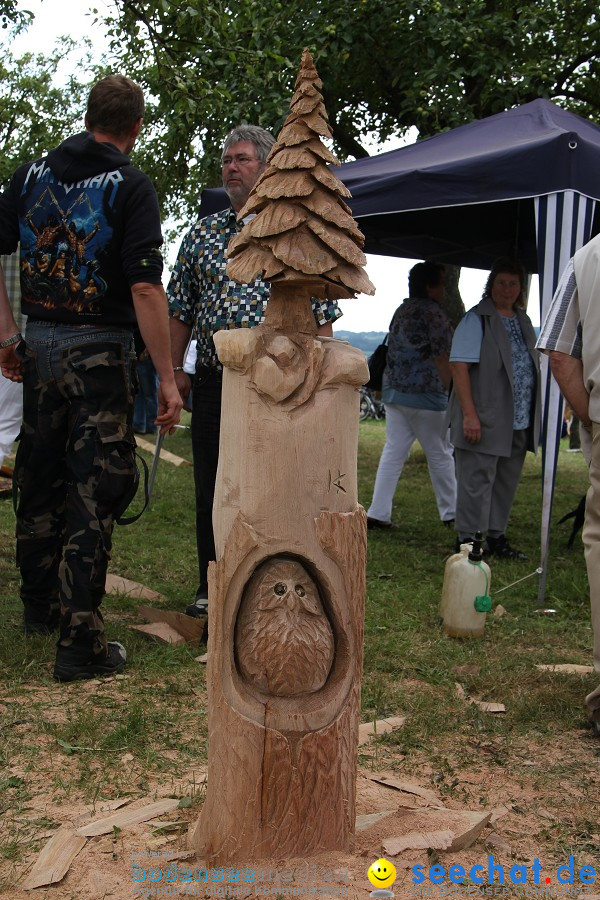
x=286 y=594
x=303 y=235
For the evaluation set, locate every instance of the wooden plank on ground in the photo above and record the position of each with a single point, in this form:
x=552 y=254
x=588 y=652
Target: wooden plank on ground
x=566 y=669
x=407 y=787
x=160 y=631
x=128 y=817
x=53 y=862
x=447 y=829
x=164 y=454
x=367 y=730
x=116 y=584
x=188 y=627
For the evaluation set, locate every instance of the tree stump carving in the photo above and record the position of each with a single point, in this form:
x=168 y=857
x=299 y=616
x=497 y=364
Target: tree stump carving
x=286 y=594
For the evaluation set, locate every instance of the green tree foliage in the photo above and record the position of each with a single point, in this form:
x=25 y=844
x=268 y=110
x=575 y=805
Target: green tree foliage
x=386 y=65
x=10 y=15
x=35 y=112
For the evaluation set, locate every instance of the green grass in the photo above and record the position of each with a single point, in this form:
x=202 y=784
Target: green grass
x=67 y=742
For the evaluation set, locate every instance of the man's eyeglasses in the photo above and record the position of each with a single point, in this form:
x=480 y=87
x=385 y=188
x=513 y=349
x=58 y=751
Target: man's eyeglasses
x=241 y=160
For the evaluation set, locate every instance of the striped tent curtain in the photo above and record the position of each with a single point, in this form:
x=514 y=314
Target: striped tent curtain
x=563 y=224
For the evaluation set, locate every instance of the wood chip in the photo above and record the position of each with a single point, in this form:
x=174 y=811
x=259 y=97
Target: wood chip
x=54 y=860
x=488 y=706
x=367 y=730
x=164 y=454
x=407 y=787
x=415 y=840
x=159 y=631
x=566 y=669
x=498 y=812
x=369 y=819
x=499 y=611
x=110 y=805
x=484 y=705
x=115 y=584
x=546 y=814
x=128 y=817
x=189 y=627
x=463 y=826
x=460 y=691
x=202 y=659
x=475 y=822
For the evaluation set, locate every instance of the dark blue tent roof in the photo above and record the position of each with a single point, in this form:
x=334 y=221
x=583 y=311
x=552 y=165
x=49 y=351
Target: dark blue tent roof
x=466 y=196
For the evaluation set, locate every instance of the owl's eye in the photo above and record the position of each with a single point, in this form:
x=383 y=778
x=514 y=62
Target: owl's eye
x=300 y=590
x=280 y=588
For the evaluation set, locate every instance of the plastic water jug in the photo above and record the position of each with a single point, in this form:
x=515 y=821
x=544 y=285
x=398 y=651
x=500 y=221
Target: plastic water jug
x=465 y=593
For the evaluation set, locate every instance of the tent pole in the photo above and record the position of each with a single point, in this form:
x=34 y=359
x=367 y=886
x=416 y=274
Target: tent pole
x=563 y=224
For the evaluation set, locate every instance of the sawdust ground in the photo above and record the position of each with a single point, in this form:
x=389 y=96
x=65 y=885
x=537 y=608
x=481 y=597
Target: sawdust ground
x=533 y=819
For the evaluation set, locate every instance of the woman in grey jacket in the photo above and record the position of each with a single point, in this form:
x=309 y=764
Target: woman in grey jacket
x=494 y=407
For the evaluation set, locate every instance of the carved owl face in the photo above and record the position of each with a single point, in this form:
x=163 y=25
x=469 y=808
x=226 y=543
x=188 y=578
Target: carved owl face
x=283 y=640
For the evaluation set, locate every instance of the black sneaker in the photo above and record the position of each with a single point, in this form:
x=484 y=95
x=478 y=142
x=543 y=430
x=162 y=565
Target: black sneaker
x=501 y=549
x=68 y=668
x=37 y=626
x=199 y=608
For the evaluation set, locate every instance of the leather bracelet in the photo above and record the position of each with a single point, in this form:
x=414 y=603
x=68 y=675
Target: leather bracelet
x=15 y=339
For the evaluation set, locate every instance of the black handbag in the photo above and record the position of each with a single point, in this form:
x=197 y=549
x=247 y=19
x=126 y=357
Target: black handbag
x=377 y=361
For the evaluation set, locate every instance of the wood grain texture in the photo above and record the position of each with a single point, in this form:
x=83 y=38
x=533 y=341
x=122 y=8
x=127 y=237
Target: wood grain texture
x=53 y=863
x=320 y=239
x=282 y=747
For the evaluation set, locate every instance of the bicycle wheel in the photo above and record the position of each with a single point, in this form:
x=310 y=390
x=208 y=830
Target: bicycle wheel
x=365 y=408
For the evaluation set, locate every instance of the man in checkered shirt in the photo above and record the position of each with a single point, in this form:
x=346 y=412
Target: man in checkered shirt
x=203 y=300
x=571 y=336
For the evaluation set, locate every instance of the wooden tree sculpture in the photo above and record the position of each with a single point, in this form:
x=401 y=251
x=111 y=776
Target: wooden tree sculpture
x=287 y=591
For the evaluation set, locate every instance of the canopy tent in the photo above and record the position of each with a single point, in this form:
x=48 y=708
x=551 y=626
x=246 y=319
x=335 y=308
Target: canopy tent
x=466 y=196
x=522 y=183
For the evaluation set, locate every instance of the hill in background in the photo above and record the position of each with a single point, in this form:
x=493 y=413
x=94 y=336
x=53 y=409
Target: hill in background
x=364 y=340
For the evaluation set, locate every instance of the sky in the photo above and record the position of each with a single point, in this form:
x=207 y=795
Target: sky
x=54 y=18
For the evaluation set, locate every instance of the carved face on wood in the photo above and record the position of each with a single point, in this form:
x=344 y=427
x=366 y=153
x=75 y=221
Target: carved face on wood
x=283 y=640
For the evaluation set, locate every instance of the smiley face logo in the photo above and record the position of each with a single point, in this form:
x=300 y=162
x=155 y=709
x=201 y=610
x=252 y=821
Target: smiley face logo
x=382 y=873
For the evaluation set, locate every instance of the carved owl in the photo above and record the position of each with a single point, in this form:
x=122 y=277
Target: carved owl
x=283 y=640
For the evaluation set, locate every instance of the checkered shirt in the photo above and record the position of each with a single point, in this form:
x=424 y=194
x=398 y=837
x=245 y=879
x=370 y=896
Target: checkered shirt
x=201 y=295
x=561 y=329
x=11 y=269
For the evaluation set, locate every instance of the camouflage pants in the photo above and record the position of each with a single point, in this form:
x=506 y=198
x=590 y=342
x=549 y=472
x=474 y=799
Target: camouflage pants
x=75 y=468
